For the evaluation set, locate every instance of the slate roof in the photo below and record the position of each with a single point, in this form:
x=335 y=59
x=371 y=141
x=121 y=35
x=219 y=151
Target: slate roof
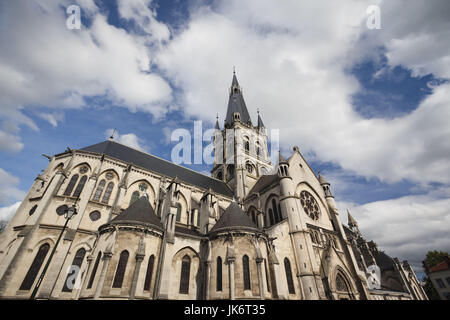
x=384 y=261
x=234 y=218
x=263 y=181
x=139 y=212
x=236 y=103
x=147 y=161
x=187 y=231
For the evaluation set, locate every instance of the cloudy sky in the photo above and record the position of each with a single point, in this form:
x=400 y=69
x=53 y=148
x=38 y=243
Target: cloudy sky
x=368 y=107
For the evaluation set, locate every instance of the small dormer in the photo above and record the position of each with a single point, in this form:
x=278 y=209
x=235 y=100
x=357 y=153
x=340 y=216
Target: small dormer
x=236 y=116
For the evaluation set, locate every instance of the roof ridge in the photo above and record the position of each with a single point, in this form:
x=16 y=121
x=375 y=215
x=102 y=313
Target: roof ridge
x=157 y=157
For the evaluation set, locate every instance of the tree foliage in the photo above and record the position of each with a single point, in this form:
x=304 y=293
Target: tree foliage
x=432 y=259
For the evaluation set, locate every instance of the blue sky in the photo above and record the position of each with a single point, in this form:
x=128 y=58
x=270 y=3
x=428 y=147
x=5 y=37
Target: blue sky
x=370 y=106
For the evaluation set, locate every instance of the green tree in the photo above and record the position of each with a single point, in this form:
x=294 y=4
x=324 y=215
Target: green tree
x=435 y=257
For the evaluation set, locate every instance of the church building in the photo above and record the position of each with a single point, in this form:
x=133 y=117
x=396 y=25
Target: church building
x=146 y=228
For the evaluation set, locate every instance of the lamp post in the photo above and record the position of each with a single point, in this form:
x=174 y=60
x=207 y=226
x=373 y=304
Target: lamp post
x=326 y=245
x=69 y=213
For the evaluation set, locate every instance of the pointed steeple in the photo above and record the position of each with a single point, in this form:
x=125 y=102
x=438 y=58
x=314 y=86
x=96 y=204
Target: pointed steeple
x=260 y=122
x=217 y=123
x=237 y=110
x=351 y=221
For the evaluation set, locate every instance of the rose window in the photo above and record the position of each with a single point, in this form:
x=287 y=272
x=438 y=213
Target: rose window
x=310 y=205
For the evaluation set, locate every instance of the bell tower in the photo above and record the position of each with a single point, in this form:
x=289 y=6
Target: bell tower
x=241 y=150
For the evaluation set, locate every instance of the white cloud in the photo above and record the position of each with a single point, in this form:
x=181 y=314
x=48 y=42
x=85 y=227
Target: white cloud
x=138 y=10
x=52 y=118
x=406 y=227
x=292 y=59
x=44 y=64
x=6 y=213
x=10 y=142
x=129 y=139
x=8 y=188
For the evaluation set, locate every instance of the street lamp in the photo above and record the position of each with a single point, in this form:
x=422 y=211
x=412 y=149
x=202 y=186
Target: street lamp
x=68 y=214
x=326 y=245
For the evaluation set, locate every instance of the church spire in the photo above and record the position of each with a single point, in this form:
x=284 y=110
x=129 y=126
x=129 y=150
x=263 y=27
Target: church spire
x=217 y=123
x=237 y=110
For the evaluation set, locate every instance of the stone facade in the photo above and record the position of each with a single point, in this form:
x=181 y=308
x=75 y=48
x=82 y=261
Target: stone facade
x=149 y=229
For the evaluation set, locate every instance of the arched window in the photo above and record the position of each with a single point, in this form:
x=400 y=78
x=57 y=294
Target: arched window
x=71 y=185
x=253 y=216
x=341 y=284
x=178 y=212
x=149 y=274
x=247 y=145
x=80 y=186
x=258 y=151
x=108 y=192
x=249 y=167
x=120 y=271
x=290 y=282
x=246 y=272
x=219 y=274
x=28 y=281
x=99 y=191
x=94 y=270
x=134 y=197
x=275 y=211
x=230 y=172
x=74 y=270
x=271 y=217
x=185 y=274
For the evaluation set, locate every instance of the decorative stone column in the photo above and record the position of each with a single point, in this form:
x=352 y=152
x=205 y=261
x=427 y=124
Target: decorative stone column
x=260 y=277
x=139 y=259
x=230 y=260
x=207 y=278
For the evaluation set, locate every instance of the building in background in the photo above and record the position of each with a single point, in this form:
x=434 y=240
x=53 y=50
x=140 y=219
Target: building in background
x=149 y=229
x=440 y=277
